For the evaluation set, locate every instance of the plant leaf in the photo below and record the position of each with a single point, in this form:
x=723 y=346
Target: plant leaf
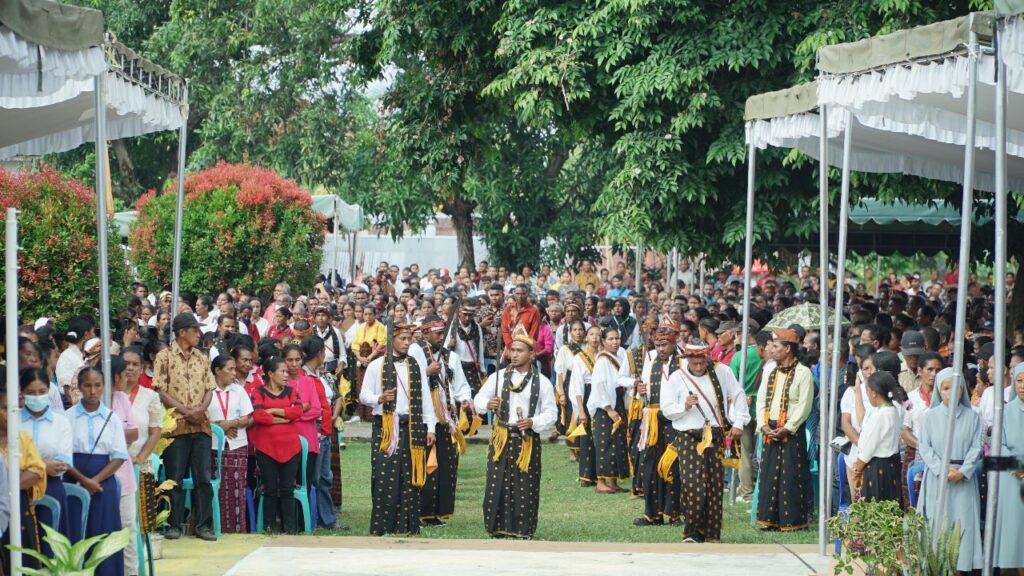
x=81 y=549
x=111 y=544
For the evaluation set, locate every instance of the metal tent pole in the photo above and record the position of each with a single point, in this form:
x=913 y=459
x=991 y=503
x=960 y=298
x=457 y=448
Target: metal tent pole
x=13 y=418
x=965 y=264
x=825 y=423
x=999 y=336
x=752 y=174
x=179 y=207
x=337 y=237
x=101 y=232
x=844 y=213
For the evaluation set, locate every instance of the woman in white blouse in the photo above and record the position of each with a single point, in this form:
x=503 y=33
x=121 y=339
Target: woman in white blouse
x=579 y=393
x=877 y=468
x=52 y=434
x=607 y=406
x=231 y=409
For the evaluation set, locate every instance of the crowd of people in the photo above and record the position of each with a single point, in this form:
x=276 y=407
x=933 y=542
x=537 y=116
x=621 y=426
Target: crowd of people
x=640 y=376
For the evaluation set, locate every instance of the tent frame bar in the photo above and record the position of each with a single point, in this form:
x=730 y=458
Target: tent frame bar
x=999 y=335
x=825 y=423
x=101 y=233
x=179 y=208
x=13 y=418
x=961 y=294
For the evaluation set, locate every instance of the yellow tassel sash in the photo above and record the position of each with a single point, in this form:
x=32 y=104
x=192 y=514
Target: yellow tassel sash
x=706 y=439
x=667 y=462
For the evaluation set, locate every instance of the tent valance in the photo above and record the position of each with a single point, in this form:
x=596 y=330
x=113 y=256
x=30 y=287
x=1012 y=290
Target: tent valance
x=53 y=25
x=791 y=101
x=905 y=45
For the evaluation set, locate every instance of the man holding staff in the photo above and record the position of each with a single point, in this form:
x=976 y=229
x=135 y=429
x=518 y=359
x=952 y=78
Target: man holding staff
x=523 y=403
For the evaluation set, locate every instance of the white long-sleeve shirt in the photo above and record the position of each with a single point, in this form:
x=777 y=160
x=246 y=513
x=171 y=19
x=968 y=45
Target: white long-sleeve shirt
x=471 y=351
x=581 y=378
x=606 y=378
x=547 y=411
x=682 y=382
x=372 y=389
x=459 y=386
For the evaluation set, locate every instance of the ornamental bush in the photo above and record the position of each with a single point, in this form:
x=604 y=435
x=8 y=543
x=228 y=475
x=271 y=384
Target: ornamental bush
x=58 y=272
x=243 y=225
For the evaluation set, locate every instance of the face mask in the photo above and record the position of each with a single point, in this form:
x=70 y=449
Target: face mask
x=37 y=403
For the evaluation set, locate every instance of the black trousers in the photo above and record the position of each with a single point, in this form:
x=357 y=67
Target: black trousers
x=190 y=454
x=278 y=479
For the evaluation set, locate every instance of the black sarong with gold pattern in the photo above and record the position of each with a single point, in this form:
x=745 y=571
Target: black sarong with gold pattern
x=661 y=498
x=612 y=458
x=512 y=494
x=782 y=483
x=587 y=457
x=701 y=484
x=397 y=477
x=565 y=413
x=635 y=357
x=437 y=498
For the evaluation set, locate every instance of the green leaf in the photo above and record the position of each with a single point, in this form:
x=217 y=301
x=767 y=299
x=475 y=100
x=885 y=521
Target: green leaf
x=111 y=544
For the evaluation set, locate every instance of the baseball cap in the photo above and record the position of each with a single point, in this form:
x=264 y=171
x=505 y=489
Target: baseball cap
x=912 y=343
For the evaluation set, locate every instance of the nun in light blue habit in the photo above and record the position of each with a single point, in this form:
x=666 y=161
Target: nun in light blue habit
x=1010 y=515
x=963 y=504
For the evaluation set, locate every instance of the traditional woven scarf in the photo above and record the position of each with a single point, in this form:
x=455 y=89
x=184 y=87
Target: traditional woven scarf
x=441 y=393
x=499 y=433
x=417 y=431
x=649 y=431
x=789 y=372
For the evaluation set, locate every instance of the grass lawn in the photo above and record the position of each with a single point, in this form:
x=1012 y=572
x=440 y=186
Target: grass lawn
x=567 y=511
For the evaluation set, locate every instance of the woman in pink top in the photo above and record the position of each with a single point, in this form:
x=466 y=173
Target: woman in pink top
x=310 y=391
x=121 y=405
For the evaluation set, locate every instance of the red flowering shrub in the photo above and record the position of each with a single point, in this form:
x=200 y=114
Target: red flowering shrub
x=58 y=275
x=243 y=225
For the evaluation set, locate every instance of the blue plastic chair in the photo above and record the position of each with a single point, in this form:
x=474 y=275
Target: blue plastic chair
x=300 y=493
x=188 y=486
x=82 y=495
x=51 y=504
x=342 y=500
x=913 y=471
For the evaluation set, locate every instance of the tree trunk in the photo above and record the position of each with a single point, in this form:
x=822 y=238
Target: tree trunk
x=461 y=213
x=127 y=169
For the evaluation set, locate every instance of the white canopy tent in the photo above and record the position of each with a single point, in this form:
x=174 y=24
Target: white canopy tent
x=62 y=84
x=905 y=103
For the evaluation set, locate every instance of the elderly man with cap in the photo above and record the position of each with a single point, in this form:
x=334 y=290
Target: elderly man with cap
x=523 y=403
x=704 y=402
x=469 y=343
x=182 y=377
x=725 y=348
x=654 y=432
x=397 y=389
x=448 y=392
x=784 y=402
x=911 y=347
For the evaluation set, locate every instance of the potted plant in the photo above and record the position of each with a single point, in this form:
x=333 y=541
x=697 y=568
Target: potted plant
x=79 y=559
x=881 y=540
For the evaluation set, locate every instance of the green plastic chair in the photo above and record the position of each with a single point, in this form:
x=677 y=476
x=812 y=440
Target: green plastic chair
x=300 y=493
x=187 y=484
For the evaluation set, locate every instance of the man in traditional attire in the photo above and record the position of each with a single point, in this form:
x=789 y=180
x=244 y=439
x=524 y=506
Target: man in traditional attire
x=654 y=431
x=523 y=403
x=704 y=402
x=784 y=401
x=469 y=344
x=637 y=359
x=448 y=391
x=397 y=388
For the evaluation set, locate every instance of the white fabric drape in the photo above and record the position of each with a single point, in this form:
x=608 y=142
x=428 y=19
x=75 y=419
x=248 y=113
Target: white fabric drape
x=23 y=64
